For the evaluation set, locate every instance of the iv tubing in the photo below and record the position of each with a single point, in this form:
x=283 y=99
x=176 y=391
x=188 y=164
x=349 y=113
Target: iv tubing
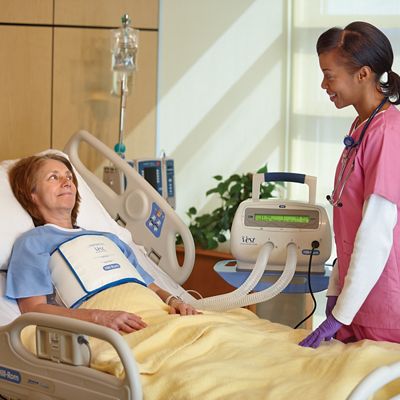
x=233 y=300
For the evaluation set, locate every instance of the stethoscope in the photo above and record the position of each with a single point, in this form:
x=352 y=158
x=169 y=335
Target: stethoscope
x=350 y=145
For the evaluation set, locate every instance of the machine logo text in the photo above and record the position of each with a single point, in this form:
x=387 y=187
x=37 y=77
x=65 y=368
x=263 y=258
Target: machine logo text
x=248 y=239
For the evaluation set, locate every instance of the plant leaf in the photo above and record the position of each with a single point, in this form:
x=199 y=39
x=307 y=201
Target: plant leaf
x=212 y=228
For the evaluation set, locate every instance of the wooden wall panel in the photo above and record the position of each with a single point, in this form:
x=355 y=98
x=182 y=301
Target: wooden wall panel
x=82 y=96
x=25 y=82
x=142 y=103
x=26 y=11
x=144 y=13
x=56 y=80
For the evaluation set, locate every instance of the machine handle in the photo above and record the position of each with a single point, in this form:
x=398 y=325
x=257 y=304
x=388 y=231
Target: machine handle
x=310 y=181
x=284 y=177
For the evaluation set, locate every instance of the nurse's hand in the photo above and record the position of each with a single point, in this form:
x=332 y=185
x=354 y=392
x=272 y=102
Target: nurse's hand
x=325 y=331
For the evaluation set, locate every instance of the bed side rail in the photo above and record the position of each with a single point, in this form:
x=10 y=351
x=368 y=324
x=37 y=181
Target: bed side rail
x=21 y=371
x=376 y=380
x=136 y=207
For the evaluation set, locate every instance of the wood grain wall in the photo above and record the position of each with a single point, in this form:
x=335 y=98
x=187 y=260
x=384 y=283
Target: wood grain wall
x=56 y=78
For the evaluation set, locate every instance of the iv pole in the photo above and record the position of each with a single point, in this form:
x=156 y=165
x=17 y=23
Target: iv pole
x=124 y=51
x=120 y=147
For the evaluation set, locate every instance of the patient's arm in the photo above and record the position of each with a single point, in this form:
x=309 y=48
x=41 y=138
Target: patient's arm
x=177 y=306
x=120 y=321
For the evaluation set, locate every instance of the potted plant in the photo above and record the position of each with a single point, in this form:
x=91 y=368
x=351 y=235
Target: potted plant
x=211 y=229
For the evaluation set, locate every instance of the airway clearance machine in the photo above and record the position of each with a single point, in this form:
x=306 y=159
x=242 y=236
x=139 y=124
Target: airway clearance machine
x=281 y=222
x=274 y=236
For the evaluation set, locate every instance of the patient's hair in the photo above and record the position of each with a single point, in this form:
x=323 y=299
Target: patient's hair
x=23 y=178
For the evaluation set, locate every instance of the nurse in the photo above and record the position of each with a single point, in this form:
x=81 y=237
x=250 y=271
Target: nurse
x=364 y=289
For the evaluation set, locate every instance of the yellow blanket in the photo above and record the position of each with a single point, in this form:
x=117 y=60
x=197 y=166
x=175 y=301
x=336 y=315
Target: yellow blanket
x=233 y=355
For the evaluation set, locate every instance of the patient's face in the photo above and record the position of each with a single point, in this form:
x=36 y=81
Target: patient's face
x=55 y=191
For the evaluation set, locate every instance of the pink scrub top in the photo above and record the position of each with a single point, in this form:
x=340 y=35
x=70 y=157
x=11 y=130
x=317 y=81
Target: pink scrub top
x=376 y=171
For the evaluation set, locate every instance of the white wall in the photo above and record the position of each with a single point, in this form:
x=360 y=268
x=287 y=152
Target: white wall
x=221 y=96
x=239 y=85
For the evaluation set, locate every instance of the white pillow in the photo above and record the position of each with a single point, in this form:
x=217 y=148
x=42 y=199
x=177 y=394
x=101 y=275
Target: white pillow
x=14 y=220
x=9 y=309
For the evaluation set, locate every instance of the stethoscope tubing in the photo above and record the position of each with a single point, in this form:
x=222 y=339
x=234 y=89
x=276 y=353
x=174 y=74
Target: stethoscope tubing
x=350 y=144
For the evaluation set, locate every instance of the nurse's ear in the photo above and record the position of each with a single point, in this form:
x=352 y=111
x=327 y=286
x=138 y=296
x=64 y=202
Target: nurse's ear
x=365 y=74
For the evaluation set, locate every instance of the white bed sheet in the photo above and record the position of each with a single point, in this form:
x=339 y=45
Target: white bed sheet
x=8 y=308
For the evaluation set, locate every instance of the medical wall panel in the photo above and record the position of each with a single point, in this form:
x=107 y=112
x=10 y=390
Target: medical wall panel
x=25 y=82
x=26 y=11
x=82 y=92
x=144 y=13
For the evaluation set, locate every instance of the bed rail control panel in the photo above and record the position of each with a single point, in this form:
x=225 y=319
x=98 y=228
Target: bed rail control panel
x=156 y=220
x=62 y=346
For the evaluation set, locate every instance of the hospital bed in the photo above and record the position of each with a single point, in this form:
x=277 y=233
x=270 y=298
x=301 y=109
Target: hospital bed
x=59 y=374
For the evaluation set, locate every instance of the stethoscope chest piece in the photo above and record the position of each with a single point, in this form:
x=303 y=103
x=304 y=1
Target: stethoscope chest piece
x=348 y=141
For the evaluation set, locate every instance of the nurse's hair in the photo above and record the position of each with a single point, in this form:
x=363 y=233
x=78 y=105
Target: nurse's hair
x=23 y=179
x=361 y=44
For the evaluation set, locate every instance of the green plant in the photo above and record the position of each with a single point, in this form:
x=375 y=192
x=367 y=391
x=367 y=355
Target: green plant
x=210 y=229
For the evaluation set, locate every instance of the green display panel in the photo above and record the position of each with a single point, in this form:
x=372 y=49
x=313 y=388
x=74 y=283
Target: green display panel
x=297 y=219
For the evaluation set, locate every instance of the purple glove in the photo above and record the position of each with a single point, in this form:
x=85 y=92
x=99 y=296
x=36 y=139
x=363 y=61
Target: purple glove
x=330 y=303
x=324 y=332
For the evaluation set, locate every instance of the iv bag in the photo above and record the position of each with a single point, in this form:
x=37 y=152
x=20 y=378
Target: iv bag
x=124 y=49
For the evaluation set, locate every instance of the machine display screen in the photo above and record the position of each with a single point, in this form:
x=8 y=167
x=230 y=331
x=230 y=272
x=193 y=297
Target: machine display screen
x=297 y=219
x=150 y=174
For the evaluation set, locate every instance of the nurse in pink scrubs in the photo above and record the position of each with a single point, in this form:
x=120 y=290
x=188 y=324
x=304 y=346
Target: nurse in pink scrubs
x=364 y=289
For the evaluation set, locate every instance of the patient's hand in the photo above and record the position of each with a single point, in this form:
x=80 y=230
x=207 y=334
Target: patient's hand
x=177 y=306
x=120 y=321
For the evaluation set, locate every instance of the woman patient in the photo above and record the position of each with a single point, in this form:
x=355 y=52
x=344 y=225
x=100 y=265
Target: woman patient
x=46 y=186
